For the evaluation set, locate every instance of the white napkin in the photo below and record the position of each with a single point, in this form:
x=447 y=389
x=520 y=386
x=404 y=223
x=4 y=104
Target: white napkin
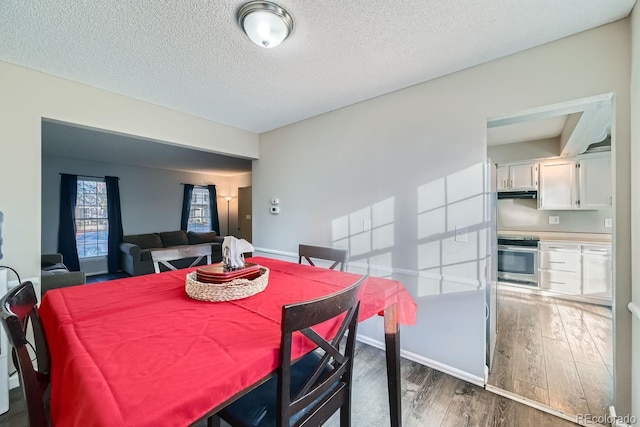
x=233 y=250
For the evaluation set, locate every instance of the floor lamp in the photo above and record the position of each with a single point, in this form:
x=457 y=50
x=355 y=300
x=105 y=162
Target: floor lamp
x=228 y=199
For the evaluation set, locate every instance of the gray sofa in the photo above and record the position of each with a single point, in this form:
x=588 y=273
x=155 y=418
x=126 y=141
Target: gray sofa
x=136 y=248
x=54 y=274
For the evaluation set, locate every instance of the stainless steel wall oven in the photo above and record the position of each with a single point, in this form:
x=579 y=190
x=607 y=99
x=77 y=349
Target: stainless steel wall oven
x=518 y=260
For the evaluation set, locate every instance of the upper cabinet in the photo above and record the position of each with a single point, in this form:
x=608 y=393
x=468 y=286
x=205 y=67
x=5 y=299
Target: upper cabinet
x=557 y=185
x=594 y=174
x=517 y=177
x=576 y=183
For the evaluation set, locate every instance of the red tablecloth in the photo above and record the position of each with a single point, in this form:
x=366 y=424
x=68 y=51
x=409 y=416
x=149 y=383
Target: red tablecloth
x=140 y=352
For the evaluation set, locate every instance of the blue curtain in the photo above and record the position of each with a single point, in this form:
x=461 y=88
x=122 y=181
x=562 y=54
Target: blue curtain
x=67 y=227
x=213 y=208
x=115 y=224
x=186 y=206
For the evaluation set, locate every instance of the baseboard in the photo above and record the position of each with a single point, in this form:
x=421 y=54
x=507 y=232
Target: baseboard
x=14 y=381
x=13 y=283
x=449 y=370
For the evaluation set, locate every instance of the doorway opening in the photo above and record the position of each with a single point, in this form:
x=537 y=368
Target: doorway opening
x=554 y=332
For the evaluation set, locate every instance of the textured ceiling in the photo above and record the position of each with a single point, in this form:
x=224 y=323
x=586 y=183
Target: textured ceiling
x=190 y=55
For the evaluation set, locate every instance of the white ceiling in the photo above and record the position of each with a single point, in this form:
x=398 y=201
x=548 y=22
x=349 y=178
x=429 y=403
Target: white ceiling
x=190 y=55
x=526 y=131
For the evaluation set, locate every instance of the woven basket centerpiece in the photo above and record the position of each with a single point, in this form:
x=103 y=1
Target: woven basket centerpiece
x=211 y=283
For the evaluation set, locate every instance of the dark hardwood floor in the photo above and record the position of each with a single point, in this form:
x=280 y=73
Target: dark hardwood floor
x=429 y=398
x=96 y=278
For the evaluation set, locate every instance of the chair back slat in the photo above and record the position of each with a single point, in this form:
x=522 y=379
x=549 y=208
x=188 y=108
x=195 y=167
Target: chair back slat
x=18 y=309
x=168 y=256
x=325 y=384
x=310 y=253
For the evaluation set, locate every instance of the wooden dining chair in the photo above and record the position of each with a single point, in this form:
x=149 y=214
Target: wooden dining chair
x=313 y=388
x=18 y=308
x=309 y=253
x=168 y=257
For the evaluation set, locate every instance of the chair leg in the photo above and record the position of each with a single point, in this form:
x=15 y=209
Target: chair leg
x=213 y=421
x=345 y=415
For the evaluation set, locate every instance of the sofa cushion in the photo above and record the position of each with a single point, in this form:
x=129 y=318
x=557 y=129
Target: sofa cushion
x=174 y=238
x=198 y=238
x=144 y=241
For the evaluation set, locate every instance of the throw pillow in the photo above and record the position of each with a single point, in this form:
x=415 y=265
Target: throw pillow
x=198 y=238
x=174 y=238
x=145 y=241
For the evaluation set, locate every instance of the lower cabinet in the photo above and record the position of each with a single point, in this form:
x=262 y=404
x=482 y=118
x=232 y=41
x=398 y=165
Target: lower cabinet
x=559 y=267
x=596 y=271
x=576 y=269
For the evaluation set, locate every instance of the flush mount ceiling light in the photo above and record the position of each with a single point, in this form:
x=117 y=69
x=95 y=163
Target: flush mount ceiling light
x=266 y=23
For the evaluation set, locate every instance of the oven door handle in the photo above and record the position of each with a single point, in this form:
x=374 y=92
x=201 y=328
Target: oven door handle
x=517 y=249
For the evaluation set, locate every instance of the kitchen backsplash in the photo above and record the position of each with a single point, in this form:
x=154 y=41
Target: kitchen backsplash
x=522 y=215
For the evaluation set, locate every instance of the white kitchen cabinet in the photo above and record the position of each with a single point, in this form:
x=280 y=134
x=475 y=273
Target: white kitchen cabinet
x=559 y=267
x=576 y=183
x=594 y=180
x=579 y=269
x=596 y=271
x=502 y=176
x=517 y=177
x=557 y=185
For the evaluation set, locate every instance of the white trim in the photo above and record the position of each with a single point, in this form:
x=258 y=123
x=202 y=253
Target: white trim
x=450 y=370
x=534 y=404
x=14 y=381
x=634 y=308
x=275 y=252
x=13 y=283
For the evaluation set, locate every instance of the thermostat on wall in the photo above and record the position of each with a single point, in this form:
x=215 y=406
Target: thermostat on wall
x=274 y=210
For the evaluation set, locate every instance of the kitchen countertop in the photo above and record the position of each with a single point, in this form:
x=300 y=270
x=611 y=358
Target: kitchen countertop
x=561 y=236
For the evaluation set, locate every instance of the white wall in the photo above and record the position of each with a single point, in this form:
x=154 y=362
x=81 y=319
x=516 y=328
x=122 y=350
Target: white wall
x=399 y=152
x=635 y=197
x=151 y=199
x=28 y=96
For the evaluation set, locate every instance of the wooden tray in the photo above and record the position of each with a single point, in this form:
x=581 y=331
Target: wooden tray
x=216 y=273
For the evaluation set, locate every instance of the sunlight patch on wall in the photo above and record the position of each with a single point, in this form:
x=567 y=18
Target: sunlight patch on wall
x=452 y=222
x=368 y=234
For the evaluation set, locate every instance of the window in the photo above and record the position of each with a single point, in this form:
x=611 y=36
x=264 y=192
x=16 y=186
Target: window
x=199 y=216
x=92 y=225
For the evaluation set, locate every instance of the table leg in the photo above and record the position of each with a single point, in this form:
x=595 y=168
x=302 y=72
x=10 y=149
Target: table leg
x=392 y=347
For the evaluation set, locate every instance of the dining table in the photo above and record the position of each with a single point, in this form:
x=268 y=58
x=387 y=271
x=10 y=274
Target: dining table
x=139 y=351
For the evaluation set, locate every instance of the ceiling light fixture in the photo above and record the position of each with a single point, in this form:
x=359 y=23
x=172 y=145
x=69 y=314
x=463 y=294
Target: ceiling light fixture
x=266 y=23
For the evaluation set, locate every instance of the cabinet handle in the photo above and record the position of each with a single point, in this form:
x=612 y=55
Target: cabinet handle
x=558 y=283
x=556 y=262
